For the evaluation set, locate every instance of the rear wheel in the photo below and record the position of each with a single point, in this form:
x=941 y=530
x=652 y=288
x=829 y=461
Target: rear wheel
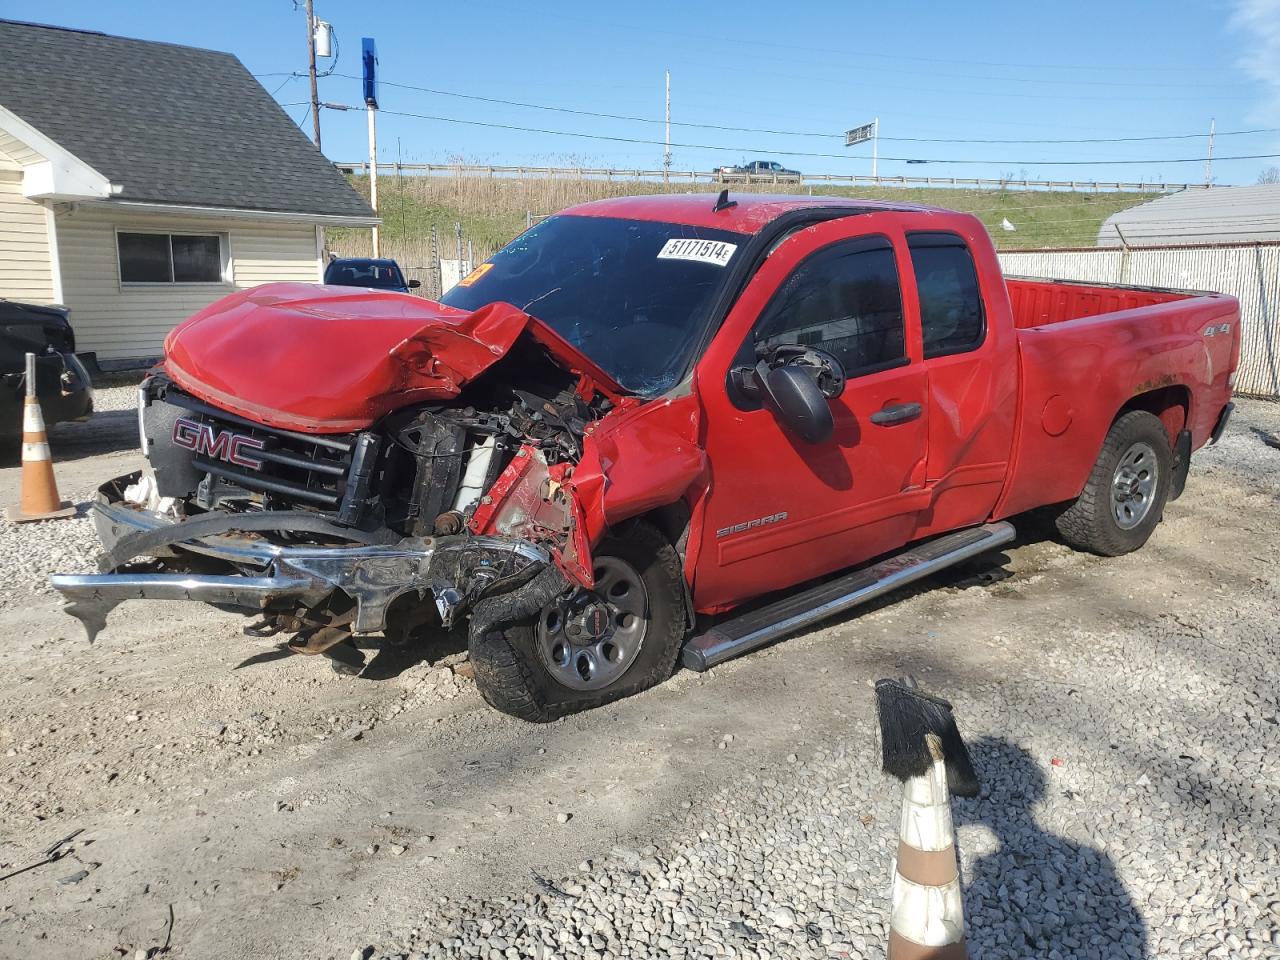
x=1125 y=495
x=590 y=647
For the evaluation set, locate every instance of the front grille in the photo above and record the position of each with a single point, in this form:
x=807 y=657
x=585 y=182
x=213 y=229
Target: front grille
x=327 y=472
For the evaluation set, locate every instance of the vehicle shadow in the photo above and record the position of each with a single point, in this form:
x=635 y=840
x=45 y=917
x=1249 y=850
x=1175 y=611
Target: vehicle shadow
x=385 y=659
x=425 y=645
x=1038 y=894
x=980 y=571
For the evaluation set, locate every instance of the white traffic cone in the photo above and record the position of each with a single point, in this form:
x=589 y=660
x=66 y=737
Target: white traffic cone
x=39 y=500
x=928 y=910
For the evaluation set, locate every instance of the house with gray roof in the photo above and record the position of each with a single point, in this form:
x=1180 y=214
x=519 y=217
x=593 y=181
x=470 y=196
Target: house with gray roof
x=141 y=181
x=1219 y=215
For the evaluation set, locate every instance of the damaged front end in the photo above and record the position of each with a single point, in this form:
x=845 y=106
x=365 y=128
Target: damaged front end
x=318 y=593
x=439 y=477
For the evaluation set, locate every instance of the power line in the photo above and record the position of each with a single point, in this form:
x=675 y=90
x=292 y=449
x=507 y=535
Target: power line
x=800 y=153
x=736 y=38
x=1172 y=136
x=787 y=133
x=283 y=85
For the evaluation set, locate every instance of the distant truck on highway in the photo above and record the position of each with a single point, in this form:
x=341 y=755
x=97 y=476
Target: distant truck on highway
x=768 y=171
x=650 y=429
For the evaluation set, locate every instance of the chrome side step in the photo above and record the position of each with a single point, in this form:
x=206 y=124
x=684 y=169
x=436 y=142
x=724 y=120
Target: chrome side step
x=759 y=627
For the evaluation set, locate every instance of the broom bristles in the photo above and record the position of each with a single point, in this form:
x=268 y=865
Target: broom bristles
x=907 y=718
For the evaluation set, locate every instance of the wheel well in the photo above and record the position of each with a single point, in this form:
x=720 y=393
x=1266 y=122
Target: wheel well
x=673 y=522
x=1172 y=404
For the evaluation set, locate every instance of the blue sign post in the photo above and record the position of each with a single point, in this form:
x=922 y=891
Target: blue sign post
x=370 y=58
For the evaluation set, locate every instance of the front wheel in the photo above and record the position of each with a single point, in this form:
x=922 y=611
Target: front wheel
x=1125 y=495
x=586 y=648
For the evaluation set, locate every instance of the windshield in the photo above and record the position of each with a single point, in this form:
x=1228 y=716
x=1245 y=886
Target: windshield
x=363 y=273
x=632 y=295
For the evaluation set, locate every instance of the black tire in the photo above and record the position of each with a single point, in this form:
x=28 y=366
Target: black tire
x=1091 y=522
x=512 y=677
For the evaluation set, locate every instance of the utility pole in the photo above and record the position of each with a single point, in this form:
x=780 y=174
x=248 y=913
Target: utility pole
x=311 y=71
x=666 y=155
x=1208 y=163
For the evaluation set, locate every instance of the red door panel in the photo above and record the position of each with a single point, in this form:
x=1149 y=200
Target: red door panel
x=973 y=384
x=780 y=511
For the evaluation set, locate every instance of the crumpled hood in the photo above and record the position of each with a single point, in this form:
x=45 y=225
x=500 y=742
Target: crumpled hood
x=335 y=359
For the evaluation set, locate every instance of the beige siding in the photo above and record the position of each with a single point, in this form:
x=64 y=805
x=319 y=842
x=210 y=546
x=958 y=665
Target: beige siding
x=121 y=322
x=25 y=269
x=275 y=253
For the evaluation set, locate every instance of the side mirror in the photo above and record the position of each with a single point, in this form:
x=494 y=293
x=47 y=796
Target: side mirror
x=793 y=397
x=414 y=284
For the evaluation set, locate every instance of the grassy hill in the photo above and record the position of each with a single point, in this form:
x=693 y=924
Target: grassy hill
x=493 y=210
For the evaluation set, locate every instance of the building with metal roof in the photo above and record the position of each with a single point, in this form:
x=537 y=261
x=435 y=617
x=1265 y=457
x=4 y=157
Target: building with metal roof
x=1216 y=216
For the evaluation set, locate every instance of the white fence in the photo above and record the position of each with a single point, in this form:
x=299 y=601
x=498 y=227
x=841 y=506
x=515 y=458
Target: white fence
x=1250 y=272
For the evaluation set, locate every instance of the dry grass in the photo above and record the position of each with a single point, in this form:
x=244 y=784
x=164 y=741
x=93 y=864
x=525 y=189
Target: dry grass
x=492 y=210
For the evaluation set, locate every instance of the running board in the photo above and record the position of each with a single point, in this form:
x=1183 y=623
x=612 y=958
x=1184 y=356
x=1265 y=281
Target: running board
x=759 y=627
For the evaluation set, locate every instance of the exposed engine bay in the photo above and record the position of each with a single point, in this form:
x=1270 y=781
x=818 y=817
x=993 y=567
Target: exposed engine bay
x=423 y=515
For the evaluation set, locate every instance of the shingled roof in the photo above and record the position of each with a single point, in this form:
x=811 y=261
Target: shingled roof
x=169 y=124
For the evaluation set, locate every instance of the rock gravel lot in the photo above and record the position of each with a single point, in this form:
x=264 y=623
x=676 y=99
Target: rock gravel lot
x=1123 y=714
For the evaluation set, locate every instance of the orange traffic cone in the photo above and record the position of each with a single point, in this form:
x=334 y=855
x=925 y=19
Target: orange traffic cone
x=922 y=747
x=40 y=500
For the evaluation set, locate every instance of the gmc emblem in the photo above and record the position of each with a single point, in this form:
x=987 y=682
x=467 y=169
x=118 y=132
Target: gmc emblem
x=218 y=444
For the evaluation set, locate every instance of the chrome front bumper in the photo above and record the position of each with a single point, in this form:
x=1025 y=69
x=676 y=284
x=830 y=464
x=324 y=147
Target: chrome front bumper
x=453 y=570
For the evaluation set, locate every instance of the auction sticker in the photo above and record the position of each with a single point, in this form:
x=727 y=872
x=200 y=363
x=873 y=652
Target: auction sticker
x=701 y=251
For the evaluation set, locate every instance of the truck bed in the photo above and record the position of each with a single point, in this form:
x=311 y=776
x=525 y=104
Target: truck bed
x=1086 y=350
x=1038 y=303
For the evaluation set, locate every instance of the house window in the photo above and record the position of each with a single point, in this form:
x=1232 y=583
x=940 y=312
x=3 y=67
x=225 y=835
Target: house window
x=171 y=257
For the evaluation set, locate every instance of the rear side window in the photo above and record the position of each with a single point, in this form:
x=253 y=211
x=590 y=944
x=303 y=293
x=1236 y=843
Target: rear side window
x=951 y=314
x=844 y=299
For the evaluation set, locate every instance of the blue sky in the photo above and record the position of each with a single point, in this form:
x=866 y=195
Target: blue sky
x=996 y=71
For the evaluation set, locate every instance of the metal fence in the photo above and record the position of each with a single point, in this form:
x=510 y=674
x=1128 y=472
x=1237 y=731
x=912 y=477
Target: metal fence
x=1250 y=272
x=427 y=259
x=707 y=176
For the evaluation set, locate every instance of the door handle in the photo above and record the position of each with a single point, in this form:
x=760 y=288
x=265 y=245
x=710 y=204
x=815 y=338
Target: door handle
x=897 y=413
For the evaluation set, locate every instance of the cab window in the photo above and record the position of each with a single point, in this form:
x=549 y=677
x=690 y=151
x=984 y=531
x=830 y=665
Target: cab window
x=844 y=299
x=951 y=316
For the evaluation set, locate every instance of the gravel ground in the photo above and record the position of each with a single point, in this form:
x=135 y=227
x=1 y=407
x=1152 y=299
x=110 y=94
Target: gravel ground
x=1122 y=713
x=34 y=551
x=1129 y=815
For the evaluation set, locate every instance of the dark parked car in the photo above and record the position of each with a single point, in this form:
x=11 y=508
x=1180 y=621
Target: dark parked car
x=365 y=272
x=62 y=383
x=767 y=170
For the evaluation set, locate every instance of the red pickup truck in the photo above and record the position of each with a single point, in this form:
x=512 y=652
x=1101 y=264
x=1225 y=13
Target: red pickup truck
x=637 y=417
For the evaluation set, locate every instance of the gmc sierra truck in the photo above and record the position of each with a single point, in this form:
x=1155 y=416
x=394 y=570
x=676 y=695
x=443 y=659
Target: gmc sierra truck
x=650 y=429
